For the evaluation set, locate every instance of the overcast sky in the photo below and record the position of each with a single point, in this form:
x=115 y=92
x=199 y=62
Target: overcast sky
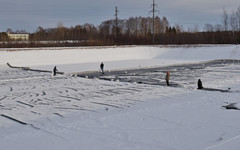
x=30 y=14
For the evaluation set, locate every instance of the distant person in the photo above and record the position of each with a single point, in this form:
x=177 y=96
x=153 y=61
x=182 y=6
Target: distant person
x=167 y=78
x=102 y=68
x=200 y=84
x=55 y=71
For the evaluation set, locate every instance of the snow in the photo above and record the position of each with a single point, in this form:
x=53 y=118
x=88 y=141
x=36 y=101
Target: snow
x=66 y=112
x=86 y=59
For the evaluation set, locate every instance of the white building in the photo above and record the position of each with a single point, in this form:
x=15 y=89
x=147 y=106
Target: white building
x=23 y=37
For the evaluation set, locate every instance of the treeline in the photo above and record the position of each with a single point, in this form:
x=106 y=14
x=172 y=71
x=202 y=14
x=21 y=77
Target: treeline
x=128 y=31
x=219 y=37
x=134 y=30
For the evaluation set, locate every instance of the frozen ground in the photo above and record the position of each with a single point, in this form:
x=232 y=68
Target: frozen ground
x=126 y=109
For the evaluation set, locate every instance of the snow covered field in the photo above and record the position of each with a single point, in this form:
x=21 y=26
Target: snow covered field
x=133 y=111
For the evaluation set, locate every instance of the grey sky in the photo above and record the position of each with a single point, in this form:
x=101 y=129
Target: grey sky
x=30 y=14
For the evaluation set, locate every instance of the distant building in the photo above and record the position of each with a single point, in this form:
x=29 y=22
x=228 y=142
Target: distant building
x=22 y=37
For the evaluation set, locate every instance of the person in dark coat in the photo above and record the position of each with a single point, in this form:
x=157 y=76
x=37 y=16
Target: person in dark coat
x=55 y=70
x=102 y=68
x=200 y=84
x=167 y=78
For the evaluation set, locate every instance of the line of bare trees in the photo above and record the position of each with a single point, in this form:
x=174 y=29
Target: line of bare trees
x=134 y=30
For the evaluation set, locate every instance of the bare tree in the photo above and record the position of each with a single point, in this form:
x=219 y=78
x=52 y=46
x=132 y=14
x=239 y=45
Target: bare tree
x=60 y=31
x=238 y=18
x=165 y=24
x=208 y=28
x=218 y=27
x=179 y=28
x=225 y=20
x=233 y=21
x=144 y=27
x=9 y=30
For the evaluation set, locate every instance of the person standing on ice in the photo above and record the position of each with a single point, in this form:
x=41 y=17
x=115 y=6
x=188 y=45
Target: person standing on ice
x=102 y=67
x=167 y=78
x=55 y=70
x=200 y=84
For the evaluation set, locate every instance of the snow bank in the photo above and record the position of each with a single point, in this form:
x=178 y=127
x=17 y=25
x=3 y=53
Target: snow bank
x=205 y=52
x=71 y=56
x=133 y=56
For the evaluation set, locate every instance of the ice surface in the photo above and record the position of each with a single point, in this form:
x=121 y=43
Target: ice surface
x=68 y=112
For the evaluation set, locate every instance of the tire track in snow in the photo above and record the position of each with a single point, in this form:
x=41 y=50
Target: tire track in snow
x=215 y=147
x=58 y=115
x=31 y=125
x=71 y=108
x=42 y=92
x=3 y=98
x=73 y=89
x=71 y=98
x=105 y=104
x=25 y=104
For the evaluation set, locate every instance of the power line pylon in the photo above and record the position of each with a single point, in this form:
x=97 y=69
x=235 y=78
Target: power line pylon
x=116 y=22
x=153 y=5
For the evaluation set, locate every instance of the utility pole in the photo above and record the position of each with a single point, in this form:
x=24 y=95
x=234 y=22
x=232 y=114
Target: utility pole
x=116 y=22
x=153 y=19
